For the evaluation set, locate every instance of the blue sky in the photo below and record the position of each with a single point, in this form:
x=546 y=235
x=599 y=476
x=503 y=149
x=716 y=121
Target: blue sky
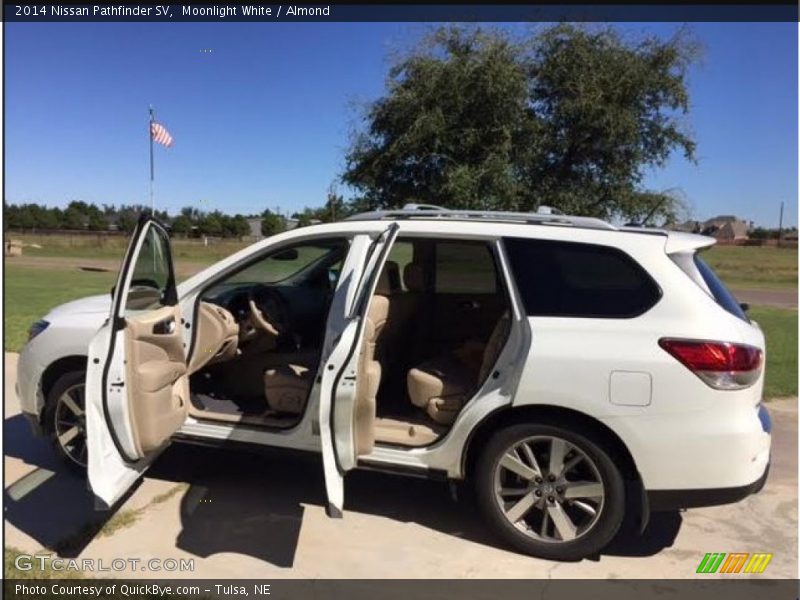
x=263 y=120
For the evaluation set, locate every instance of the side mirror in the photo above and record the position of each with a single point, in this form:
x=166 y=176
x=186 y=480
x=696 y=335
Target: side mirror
x=744 y=306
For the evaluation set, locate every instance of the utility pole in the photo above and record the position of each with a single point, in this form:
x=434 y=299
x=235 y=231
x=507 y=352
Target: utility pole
x=780 y=225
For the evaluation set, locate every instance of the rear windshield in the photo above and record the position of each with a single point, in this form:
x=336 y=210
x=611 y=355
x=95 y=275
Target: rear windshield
x=721 y=294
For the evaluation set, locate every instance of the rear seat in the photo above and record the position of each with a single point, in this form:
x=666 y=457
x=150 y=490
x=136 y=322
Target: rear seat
x=442 y=385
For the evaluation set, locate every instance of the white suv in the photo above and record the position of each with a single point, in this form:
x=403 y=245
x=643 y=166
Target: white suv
x=574 y=372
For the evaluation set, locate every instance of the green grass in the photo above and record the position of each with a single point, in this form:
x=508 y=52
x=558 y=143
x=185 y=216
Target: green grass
x=31 y=293
x=120 y=520
x=754 y=267
x=113 y=247
x=780 y=328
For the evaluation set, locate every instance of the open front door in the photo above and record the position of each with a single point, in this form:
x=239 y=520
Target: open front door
x=137 y=390
x=346 y=413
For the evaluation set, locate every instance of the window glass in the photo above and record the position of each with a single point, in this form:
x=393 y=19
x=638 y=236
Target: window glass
x=151 y=277
x=579 y=280
x=314 y=264
x=287 y=263
x=721 y=294
x=464 y=268
x=401 y=254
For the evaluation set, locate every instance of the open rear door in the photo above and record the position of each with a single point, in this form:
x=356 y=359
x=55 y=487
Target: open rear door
x=137 y=390
x=342 y=420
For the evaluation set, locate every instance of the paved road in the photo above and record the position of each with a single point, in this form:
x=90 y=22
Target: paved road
x=244 y=515
x=775 y=298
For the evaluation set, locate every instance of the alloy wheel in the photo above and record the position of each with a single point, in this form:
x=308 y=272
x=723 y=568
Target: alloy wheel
x=70 y=423
x=549 y=489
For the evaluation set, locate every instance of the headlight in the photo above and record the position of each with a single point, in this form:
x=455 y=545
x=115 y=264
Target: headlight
x=37 y=328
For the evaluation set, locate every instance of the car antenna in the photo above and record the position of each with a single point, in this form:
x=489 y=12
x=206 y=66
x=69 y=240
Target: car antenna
x=648 y=216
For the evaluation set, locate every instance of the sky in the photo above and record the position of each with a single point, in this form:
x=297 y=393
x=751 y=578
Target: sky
x=262 y=113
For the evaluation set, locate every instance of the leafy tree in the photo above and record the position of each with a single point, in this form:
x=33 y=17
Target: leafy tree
x=272 y=223
x=571 y=117
x=126 y=219
x=49 y=218
x=211 y=224
x=97 y=221
x=75 y=216
x=182 y=225
x=239 y=227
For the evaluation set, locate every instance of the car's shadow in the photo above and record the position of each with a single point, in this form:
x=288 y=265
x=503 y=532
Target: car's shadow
x=51 y=503
x=253 y=504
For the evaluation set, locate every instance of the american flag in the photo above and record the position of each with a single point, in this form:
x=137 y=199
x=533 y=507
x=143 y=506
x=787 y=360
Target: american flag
x=160 y=134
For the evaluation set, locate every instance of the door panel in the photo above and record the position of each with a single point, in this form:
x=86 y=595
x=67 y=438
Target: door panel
x=347 y=415
x=137 y=390
x=156 y=369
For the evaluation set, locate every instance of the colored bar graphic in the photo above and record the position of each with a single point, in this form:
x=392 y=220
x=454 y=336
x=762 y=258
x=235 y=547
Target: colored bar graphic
x=713 y=562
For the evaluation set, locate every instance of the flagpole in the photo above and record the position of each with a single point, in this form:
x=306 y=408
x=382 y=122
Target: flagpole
x=150 y=135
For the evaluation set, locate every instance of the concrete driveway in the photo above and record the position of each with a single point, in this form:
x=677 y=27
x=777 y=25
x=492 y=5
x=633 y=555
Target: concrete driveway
x=239 y=515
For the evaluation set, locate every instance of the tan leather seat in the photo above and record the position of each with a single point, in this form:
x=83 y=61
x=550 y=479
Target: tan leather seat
x=369 y=375
x=286 y=386
x=441 y=386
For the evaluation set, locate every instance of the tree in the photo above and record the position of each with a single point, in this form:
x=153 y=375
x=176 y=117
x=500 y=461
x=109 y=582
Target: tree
x=211 y=224
x=182 y=225
x=272 y=223
x=239 y=227
x=75 y=215
x=571 y=117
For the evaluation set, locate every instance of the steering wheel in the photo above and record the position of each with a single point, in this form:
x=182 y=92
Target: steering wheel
x=268 y=310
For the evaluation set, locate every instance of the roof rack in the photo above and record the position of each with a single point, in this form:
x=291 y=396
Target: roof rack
x=430 y=212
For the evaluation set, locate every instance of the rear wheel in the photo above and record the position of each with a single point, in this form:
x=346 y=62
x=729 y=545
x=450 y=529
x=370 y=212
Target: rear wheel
x=65 y=419
x=550 y=492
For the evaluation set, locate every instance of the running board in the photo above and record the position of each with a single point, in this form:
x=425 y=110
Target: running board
x=407 y=470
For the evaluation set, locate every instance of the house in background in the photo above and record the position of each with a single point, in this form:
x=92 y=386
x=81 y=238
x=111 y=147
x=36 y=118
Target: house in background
x=725 y=228
x=255 y=226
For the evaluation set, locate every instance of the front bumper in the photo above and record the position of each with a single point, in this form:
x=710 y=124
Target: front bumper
x=666 y=500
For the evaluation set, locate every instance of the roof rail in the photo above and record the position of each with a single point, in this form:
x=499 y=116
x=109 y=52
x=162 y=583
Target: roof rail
x=415 y=206
x=427 y=213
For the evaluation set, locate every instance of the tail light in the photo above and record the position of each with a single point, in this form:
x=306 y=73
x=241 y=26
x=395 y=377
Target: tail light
x=721 y=365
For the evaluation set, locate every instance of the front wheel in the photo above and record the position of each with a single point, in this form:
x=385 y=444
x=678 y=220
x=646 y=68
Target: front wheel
x=550 y=492
x=65 y=419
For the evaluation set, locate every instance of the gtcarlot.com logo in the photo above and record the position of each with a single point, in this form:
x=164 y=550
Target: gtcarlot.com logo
x=28 y=562
x=735 y=562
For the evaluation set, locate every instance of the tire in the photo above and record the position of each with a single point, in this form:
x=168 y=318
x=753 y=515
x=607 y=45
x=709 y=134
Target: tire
x=499 y=489
x=57 y=417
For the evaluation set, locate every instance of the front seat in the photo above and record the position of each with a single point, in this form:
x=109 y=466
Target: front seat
x=286 y=386
x=442 y=385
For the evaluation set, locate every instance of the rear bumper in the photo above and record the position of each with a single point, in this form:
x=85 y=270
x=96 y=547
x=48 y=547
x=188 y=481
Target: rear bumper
x=666 y=500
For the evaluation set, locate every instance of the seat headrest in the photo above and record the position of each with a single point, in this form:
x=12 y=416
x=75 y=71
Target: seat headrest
x=377 y=313
x=389 y=279
x=414 y=277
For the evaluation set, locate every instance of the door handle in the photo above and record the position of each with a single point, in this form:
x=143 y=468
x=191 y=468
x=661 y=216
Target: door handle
x=164 y=327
